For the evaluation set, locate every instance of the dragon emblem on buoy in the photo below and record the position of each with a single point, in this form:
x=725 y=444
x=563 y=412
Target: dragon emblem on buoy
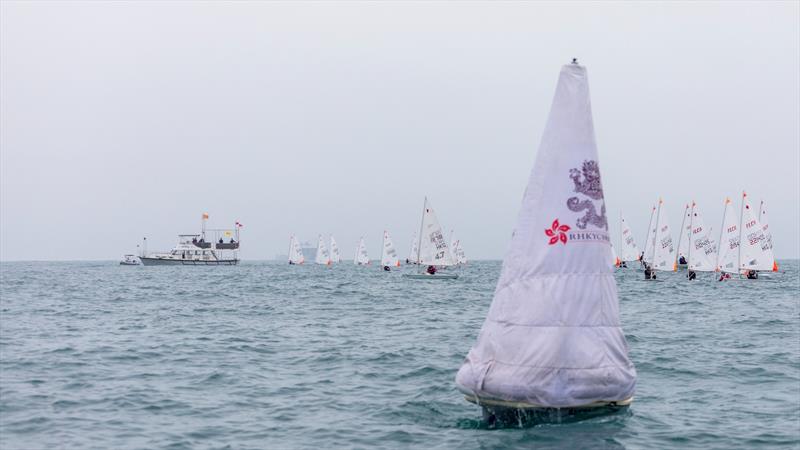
x=587 y=182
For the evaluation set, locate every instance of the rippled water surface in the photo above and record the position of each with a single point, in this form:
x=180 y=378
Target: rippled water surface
x=266 y=355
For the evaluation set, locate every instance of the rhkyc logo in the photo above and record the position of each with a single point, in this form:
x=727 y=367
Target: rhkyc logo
x=557 y=232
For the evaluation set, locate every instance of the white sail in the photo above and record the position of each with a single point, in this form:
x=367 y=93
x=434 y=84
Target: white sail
x=456 y=250
x=728 y=251
x=663 y=249
x=412 y=254
x=433 y=249
x=762 y=217
x=335 y=256
x=702 y=251
x=552 y=336
x=755 y=253
x=295 y=252
x=361 y=258
x=683 y=236
x=650 y=239
x=628 y=249
x=388 y=253
x=322 y=253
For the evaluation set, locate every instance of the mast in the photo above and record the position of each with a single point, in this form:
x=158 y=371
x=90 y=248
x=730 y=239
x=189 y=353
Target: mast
x=691 y=234
x=622 y=249
x=655 y=234
x=741 y=217
x=647 y=237
x=721 y=233
x=291 y=246
x=421 y=224
x=680 y=236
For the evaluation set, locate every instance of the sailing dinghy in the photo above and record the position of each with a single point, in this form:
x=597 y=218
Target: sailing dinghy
x=684 y=233
x=628 y=251
x=762 y=217
x=432 y=249
x=412 y=254
x=295 y=252
x=552 y=337
x=388 y=254
x=361 y=258
x=755 y=250
x=322 y=253
x=458 y=255
x=702 y=250
x=662 y=256
x=335 y=256
x=728 y=254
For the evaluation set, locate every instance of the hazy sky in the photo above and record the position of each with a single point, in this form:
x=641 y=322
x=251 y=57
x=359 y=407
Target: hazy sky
x=122 y=120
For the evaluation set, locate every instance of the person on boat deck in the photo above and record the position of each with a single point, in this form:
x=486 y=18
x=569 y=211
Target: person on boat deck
x=648 y=274
x=194 y=240
x=623 y=264
x=291 y=263
x=752 y=275
x=221 y=241
x=232 y=241
x=387 y=269
x=724 y=276
x=431 y=270
x=692 y=274
x=682 y=260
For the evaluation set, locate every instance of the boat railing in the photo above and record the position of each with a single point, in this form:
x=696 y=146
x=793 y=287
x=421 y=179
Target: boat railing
x=227 y=245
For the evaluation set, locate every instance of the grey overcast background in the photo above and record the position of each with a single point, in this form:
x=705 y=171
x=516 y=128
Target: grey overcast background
x=123 y=120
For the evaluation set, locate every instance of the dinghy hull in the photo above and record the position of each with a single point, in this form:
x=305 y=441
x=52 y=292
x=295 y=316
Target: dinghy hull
x=425 y=276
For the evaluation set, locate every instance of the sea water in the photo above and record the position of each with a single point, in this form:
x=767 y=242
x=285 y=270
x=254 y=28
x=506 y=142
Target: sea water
x=267 y=355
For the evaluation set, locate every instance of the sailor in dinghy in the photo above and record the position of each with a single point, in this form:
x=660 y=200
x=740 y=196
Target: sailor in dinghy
x=432 y=250
x=552 y=340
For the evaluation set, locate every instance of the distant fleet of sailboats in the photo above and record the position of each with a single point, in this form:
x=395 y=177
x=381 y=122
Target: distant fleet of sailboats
x=743 y=245
x=429 y=250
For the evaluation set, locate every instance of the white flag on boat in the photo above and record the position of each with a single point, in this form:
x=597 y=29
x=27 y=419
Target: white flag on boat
x=388 y=254
x=552 y=336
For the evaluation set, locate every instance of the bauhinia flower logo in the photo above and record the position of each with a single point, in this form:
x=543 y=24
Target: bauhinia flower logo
x=557 y=232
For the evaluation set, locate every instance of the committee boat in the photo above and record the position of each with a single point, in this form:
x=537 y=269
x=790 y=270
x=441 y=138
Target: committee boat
x=552 y=340
x=212 y=247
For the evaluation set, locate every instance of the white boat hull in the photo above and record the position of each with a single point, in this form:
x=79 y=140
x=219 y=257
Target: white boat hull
x=188 y=262
x=425 y=276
